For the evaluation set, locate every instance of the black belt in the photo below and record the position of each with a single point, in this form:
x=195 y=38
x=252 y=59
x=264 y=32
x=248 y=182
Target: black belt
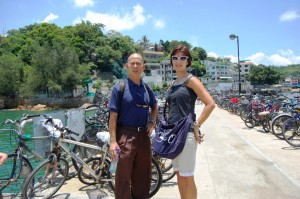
x=138 y=129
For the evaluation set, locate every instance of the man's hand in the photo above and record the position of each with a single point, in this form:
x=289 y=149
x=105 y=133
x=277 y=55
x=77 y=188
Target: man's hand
x=150 y=127
x=113 y=151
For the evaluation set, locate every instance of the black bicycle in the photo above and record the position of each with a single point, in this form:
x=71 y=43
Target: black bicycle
x=17 y=167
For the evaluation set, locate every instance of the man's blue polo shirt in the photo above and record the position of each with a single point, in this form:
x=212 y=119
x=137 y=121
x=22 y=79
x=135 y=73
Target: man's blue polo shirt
x=134 y=96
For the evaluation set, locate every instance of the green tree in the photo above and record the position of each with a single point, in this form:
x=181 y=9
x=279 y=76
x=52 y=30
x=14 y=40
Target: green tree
x=198 y=53
x=54 y=69
x=197 y=69
x=85 y=37
x=10 y=70
x=166 y=45
x=263 y=75
x=175 y=43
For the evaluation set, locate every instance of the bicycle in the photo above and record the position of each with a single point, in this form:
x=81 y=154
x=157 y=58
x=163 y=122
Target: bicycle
x=96 y=122
x=17 y=167
x=52 y=172
x=291 y=131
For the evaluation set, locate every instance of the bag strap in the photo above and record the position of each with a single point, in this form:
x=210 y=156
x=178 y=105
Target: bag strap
x=120 y=98
x=188 y=79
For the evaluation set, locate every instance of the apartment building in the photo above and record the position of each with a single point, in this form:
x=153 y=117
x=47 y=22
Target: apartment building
x=152 y=67
x=244 y=69
x=166 y=71
x=220 y=71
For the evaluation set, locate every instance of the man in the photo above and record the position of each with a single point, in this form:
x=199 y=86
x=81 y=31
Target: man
x=3 y=157
x=130 y=126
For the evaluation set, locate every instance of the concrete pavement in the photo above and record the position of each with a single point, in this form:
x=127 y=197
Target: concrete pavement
x=233 y=162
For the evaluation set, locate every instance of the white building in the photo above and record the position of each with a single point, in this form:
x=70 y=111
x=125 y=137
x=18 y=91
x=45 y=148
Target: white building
x=152 y=67
x=219 y=71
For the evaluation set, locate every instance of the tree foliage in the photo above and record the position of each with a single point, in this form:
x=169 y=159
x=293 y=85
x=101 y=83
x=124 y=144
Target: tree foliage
x=57 y=59
x=47 y=58
x=10 y=70
x=263 y=75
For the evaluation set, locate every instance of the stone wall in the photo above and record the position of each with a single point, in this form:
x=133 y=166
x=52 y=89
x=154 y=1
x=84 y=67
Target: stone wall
x=64 y=102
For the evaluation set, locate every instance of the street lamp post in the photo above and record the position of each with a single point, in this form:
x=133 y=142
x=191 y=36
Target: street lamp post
x=233 y=37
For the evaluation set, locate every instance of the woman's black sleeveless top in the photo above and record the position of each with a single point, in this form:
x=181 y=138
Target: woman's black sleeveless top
x=181 y=100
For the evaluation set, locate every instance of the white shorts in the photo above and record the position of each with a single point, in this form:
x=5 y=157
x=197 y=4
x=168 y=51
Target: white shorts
x=185 y=162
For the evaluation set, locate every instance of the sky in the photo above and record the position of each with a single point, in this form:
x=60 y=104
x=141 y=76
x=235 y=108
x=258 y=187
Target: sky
x=268 y=30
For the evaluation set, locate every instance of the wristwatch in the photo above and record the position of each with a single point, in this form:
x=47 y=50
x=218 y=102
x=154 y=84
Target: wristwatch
x=196 y=124
x=153 y=121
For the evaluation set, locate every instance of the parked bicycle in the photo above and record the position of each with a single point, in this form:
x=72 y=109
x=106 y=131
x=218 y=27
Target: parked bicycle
x=291 y=131
x=47 y=178
x=17 y=167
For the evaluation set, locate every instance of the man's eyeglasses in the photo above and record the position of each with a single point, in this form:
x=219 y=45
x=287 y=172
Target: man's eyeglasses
x=141 y=105
x=182 y=58
x=135 y=63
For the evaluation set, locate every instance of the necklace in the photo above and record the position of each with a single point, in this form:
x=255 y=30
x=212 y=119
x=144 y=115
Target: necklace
x=181 y=80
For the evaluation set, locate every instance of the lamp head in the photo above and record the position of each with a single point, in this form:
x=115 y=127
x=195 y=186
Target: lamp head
x=232 y=36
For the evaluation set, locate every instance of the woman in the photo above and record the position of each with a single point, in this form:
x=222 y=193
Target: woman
x=182 y=97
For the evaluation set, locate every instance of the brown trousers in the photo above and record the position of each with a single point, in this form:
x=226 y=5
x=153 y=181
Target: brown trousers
x=133 y=175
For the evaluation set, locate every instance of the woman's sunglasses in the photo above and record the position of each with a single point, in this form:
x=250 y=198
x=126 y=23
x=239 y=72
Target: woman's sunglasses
x=182 y=58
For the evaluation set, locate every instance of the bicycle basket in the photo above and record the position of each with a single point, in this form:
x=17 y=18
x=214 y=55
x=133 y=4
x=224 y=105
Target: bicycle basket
x=52 y=130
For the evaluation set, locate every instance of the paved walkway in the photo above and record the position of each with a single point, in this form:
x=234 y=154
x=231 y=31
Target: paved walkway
x=233 y=162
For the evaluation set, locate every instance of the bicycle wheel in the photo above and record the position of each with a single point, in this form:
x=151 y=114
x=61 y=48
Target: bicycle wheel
x=83 y=152
x=91 y=111
x=156 y=178
x=291 y=132
x=95 y=164
x=13 y=174
x=47 y=178
x=166 y=168
x=244 y=113
x=92 y=130
x=277 y=125
x=250 y=121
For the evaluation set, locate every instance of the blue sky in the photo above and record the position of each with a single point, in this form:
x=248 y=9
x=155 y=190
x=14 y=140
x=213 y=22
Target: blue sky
x=268 y=30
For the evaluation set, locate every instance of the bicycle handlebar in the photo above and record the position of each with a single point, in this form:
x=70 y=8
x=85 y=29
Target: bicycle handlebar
x=62 y=129
x=24 y=117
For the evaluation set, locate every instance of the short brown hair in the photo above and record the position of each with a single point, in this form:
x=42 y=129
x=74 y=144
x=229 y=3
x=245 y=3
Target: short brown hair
x=183 y=49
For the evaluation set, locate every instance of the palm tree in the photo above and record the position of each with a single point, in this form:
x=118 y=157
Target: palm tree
x=144 y=42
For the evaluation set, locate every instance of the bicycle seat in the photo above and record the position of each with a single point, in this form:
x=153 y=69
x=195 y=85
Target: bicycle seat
x=264 y=113
x=102 y=138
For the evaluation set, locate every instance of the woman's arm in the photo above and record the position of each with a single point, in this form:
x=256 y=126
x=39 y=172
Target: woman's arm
x=204 y=96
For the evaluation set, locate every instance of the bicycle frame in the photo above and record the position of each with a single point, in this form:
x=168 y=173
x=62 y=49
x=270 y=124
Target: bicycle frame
x=61 y=142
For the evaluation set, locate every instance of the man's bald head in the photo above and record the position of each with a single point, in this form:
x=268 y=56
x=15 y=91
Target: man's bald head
x=136 y=56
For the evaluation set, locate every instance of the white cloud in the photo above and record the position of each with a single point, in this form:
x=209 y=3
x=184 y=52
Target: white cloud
x=278 y=60
x=212 y=54
x=289 y=16
x=282 y=58
x=257 y=58
x=159 y=24
x=116 y=22
x=83 y=3
x=50 y=17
